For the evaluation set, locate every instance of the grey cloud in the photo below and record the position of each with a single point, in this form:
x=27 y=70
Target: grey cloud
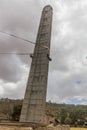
x=15 y=90
x=68 y=47
x=10 y=69
x=66 y=86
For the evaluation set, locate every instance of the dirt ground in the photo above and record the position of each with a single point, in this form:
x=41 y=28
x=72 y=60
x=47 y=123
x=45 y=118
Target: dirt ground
x=28 y=128
x=14 y=128
x=78 y=128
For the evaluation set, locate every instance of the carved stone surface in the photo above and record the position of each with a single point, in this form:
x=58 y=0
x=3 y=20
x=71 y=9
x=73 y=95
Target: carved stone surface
x=33 y=108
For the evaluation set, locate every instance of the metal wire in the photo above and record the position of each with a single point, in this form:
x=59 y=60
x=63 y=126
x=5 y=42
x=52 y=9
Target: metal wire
x=12 y=35
x=8 y=53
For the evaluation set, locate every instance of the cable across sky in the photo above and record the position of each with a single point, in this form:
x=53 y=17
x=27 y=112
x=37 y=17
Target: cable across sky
x=12 y=35
x=9 y=53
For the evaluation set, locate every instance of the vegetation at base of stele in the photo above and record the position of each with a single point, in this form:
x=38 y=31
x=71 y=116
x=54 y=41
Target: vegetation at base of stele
x=73 y=115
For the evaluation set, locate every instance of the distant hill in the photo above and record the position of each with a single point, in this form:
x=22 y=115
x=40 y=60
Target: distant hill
x=6 y=107
x=65 y=113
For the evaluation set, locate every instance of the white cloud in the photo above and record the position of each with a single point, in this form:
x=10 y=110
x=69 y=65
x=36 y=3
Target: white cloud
x=67 y=74
x=15 y=89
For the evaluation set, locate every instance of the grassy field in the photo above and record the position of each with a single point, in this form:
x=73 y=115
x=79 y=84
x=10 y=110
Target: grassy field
x=78 y=128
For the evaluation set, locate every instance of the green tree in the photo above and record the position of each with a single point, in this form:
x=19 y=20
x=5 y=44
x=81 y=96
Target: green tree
x=16 y=113
x=67 y=121
x=63 y=115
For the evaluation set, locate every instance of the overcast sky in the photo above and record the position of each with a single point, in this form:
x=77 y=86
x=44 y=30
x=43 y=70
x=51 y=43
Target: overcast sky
x=67 y=81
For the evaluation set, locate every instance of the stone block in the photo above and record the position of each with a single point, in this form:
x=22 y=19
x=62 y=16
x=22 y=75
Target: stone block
x=41 y=128
x=58 y=127
x=26 y=128
x=51 y=128
x=65 y=127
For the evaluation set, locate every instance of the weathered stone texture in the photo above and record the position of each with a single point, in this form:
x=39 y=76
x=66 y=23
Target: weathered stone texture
x=59 y=127
x=51 y=128
x=62 y=127
x=25 y=128
x=33 y=109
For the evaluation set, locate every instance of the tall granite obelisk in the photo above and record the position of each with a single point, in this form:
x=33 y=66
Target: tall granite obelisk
x=33 y=108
